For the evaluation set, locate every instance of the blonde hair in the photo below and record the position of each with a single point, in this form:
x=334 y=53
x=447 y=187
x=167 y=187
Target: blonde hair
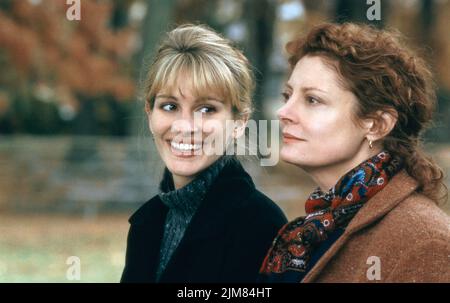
x=210 y=61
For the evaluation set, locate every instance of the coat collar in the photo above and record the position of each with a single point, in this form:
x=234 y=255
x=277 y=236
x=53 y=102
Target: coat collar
x=232 y=182
x=210 y=219
x=400 y=187
x=220 y=201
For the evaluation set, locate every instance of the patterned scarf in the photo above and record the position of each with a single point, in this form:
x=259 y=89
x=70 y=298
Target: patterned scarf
x=326 y=213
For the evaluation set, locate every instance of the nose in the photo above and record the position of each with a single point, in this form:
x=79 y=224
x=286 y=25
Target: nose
x=286 y=113
x=188 y=123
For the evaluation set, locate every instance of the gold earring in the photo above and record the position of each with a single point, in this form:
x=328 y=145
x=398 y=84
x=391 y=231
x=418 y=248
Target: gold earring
x=370 y=144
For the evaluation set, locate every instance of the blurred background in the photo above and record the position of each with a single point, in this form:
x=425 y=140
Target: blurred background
x=76 y=159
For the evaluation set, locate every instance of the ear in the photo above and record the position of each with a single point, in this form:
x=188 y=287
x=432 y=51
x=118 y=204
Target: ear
x=148 y=111
x=381 y=125
x=241 y=123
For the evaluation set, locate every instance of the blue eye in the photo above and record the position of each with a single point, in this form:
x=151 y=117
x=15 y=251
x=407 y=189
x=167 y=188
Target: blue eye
x=168 y=107
x=206 y=109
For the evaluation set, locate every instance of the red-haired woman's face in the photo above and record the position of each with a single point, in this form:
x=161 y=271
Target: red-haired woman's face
x=316 y=119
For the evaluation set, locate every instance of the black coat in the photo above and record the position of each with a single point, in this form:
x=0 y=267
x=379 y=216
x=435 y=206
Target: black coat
x=226 y=240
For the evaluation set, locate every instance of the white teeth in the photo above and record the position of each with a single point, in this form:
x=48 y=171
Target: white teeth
x=185 y=146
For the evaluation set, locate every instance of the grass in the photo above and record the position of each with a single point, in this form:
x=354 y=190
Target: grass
x=35 y=248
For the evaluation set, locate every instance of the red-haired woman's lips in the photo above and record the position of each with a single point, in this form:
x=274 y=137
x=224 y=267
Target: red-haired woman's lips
x=291 y=138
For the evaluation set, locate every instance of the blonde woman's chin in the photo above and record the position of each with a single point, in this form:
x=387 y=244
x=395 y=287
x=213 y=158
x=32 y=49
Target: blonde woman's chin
x=190 y=166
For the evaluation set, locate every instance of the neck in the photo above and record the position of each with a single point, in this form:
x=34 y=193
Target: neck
x=181 y=181
x=327 y=176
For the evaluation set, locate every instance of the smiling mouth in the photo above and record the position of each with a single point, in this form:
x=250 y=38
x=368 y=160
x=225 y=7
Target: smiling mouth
x=185 y=147
x=184 y=150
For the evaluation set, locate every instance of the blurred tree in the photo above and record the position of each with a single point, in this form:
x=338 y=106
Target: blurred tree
x=434 y=46
x=158 y=19
x=259 y=16
x=49 y=59
x=249 y=23
x=196 y=11
x=427 y=14
x=119 y=18
x=356 y=11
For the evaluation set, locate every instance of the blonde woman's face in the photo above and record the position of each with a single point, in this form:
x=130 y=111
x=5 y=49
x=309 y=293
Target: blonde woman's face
x=316 y=119
x=186 y=128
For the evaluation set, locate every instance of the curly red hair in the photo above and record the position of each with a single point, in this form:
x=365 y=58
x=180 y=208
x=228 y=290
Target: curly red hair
x=384 y=75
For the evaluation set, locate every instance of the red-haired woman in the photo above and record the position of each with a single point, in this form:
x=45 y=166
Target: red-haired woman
x=355 y=106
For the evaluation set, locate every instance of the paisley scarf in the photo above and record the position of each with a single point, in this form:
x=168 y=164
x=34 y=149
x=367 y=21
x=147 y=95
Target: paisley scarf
x=326 y=213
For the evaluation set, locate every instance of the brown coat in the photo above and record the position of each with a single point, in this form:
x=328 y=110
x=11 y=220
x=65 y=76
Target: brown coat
x=407 y=232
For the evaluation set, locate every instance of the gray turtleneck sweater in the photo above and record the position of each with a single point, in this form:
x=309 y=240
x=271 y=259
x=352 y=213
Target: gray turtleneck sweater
x=183 y=204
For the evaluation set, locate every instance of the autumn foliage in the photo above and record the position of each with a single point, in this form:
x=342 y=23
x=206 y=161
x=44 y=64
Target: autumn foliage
x=44 y=55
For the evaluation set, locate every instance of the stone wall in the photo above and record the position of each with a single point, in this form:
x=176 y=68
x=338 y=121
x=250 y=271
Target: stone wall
x=88 y=175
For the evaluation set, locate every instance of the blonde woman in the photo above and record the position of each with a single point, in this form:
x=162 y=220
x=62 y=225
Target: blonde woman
x=209 y=223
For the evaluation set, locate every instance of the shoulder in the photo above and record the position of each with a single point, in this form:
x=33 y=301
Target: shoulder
x=398 y=211
x=420 y=216
x=417 y=234
x=259 y=210
x=425 y=230
x=235 y=190
x=261 y=204
x=152 y=207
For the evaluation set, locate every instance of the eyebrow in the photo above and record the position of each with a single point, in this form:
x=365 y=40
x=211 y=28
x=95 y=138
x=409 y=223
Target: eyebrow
x=307 y=88
x=166 y=96
x=201 y=99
